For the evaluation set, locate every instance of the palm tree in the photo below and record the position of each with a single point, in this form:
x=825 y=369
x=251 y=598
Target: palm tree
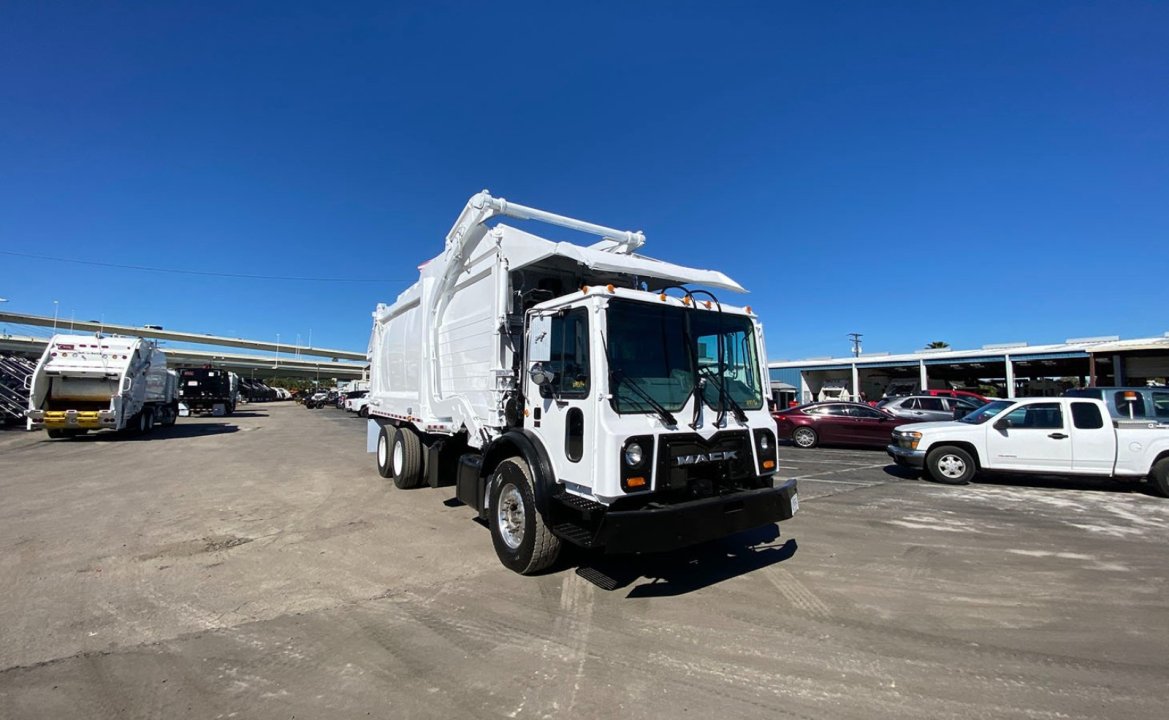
x=937 y=344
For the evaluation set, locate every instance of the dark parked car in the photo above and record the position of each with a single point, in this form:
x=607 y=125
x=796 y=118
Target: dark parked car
x=842 y=423
x=927 y=408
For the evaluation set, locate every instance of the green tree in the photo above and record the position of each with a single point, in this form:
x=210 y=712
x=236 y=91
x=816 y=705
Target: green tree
x=937 y=344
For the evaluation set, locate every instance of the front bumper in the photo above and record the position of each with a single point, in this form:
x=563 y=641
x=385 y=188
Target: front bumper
x=909 y=458
x=677 y=526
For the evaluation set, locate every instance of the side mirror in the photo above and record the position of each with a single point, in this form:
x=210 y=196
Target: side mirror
x=540 y=375
x=1001 y=424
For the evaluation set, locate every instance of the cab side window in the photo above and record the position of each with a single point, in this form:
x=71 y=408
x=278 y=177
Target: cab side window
x=1040 y=416
x=1086 y=416
x=569 y=356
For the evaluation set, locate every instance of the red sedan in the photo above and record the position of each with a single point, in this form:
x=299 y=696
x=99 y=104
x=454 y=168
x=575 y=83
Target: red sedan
x=841 y=423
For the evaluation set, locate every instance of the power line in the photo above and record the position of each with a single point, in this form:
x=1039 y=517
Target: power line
x=192 y=272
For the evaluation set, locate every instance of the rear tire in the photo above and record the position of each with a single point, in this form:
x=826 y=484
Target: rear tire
x=384 y=439
x=805 y=437
x=56 y=434
x=140 y=424
x=406 y=458
x=522 y=541
x=364 y=412
x=149 y=414
x=1159 y=477
x=950 y=465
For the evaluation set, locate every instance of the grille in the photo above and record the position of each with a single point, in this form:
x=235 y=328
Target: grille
x=701 y=467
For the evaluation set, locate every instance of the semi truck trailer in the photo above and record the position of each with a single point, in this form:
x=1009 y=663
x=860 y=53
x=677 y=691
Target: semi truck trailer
x=575 y=394
x=95 y=382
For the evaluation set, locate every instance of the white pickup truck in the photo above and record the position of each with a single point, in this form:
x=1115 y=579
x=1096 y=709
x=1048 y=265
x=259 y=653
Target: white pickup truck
x=1044 y=436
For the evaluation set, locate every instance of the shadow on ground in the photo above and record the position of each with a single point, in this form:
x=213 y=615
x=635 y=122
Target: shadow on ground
x=178 y=430
x=684 y=571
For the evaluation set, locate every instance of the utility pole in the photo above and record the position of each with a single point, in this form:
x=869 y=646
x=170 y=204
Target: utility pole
x=856 y=344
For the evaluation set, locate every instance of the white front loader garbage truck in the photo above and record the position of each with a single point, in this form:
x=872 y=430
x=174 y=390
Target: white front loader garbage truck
x=95 y=382
x=577 y=394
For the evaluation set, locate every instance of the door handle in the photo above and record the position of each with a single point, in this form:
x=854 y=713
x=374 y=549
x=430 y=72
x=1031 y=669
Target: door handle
x=1057 y=436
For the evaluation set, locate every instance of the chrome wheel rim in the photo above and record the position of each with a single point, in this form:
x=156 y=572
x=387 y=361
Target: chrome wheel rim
x=381 y=451
x=804 y=437
x=509 y=516
x=951 y=466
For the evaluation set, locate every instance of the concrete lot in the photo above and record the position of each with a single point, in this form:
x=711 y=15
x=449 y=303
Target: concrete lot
x=256 y=566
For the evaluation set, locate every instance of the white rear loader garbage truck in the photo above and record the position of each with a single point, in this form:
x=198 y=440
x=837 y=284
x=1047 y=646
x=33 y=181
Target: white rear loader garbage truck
x=573 y=393
x=94 y=382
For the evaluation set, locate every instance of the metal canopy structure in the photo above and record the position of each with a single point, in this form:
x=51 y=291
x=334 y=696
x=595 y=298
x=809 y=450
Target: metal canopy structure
x=1100 y=360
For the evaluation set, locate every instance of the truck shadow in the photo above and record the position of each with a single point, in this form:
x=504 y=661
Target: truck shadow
x=1052 y=482
x=178 y=430
x=1056 y=482
x=683 y=571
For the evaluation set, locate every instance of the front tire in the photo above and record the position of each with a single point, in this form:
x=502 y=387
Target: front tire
x=1159 y=477
x=406 y=458
x=522 y=541
x=950 y=465
x=805 y=437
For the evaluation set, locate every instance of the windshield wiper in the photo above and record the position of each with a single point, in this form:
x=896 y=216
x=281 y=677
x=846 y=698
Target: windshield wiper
x=722 y=393
x=660 y=409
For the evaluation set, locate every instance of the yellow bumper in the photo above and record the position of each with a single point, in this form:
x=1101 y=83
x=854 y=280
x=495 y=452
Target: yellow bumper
x=68 y=419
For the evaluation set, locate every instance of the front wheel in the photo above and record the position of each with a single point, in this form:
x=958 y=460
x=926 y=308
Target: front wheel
x=522 y=541
x=1159 y=477
x=805 y=437
x=950 y=465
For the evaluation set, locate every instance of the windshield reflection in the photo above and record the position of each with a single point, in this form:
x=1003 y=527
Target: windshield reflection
x=987 y=411
x=664 y=350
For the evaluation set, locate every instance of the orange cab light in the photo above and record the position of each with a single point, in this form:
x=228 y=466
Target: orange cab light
x=768 y=464
x=527 y=412
x=686 y=301
x=748 y=309
x=662 y=297
x=610 y=288
x=584 y=288
x=634 y=482
x=707 y=304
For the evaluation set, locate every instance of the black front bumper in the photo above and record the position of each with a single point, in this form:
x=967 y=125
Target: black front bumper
x=677 y=526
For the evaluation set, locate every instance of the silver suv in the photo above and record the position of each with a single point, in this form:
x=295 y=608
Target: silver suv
x=928 y=408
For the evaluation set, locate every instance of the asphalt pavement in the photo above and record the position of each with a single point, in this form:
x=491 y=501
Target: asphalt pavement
x=257 y=566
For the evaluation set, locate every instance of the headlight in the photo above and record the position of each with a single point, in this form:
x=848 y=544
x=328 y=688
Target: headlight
x=633 y=454
x=909 y=440
x=764 y=443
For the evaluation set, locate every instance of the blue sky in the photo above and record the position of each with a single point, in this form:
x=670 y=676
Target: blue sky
x=967 y=172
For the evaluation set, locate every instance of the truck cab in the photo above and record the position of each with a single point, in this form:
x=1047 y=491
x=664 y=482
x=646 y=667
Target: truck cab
x=657 y=416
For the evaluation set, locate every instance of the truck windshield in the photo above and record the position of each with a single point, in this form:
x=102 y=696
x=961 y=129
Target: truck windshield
x=664 y=350
x=987 y=411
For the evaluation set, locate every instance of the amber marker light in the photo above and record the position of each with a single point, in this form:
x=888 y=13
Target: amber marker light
x=686 y=301
x=707 y=304
x=635 y=482
x=610 y=288
x=748 y=309
x=584 y=288
x=662 y=297
x=768 y=464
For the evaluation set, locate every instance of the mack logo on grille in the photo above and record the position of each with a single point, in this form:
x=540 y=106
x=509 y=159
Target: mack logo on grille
x=706 y=457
